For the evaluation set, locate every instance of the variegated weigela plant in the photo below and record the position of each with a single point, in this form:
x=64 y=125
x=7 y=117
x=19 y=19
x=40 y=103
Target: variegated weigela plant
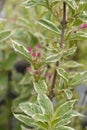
x=52 y=74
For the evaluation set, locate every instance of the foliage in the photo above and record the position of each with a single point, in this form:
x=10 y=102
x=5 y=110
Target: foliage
x=48 y=40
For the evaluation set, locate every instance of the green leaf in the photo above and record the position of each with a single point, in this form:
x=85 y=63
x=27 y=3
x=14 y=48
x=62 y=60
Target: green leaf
x=61 y=83
x=46 y=104
x=4 y=35
x=27 y=79
x=33 y=39
x=78 y=36
x=10 y=61
x=64 y=128
x=70 y=51
x=41 y=87
x=21 y=50
x=30 y=108
x=79 y=79
x=64 y=108
x=71 y=113
x=41 y=117
x=63 y=74
x=55 y=2
x=83 y=17
x=66 y=119
x=71 y=64
x=53 y=58
x=82 y=7
x=62 y=121
x=72 y=4
x=49 y=25
x=24 y=128
x=42 y=125
x=68 y=93
x=32 y=3
x=24 y=119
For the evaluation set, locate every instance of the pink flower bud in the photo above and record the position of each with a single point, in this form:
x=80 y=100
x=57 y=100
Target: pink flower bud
x=82 y=26
x=37 y=72
x=39 y=55
x=28 y=69
x=46 y=74
x=33 y=54
x=30 y=50
x=38 y=47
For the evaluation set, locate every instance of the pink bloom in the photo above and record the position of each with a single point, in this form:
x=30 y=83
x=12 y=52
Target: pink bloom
x=37 y=72
x=46 y=74
x=38 y=47
x=39 y=55
x=33 y=54
x=82 y=26
x=30 y=50
x=28 y=69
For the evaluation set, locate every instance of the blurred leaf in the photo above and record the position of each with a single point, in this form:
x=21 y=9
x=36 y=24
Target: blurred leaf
x=63 y=74
x=4 y=35
x=71 y=64
x=68 y=93
x=27 y=79
x=61 y=83
x=30 y=108
x=64 y=128
x=79 y=79
x=62 y=122
x=45 y=104
x=64 y=108
x=78 y=36
x=53 y=58
x=9 y=62
x=24 y=119
x=71 y=113
x=41 y=87
x=32 y=3
x=82 y=6
x=24 y=128
x=83 y=17
x=55 y=2
x=41 y=117
x=42 y=125
x=21 y=50
x=72 y=4
x=49 y=25
x=33 y=39
x=70 y=51
x=25 y=94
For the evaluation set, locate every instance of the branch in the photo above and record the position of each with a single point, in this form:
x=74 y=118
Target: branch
x=63 y=24
x=51 y=95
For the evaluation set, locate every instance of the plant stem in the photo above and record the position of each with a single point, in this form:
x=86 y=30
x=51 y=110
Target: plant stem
x=63 y=24
x=51 y=95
